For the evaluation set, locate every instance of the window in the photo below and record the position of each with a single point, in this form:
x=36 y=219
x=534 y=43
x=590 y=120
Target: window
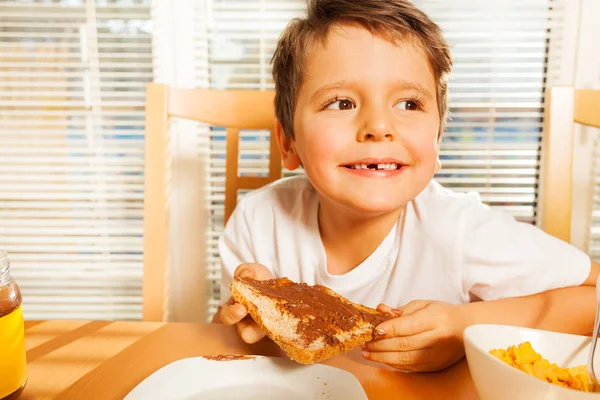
x=594 y=225
x=72 y=88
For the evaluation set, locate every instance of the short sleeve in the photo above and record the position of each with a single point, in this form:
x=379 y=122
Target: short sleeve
x=503 y=257
x=235 y=248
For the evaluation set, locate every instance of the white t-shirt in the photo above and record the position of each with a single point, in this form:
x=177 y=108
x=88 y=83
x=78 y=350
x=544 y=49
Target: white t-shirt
x=446 y=246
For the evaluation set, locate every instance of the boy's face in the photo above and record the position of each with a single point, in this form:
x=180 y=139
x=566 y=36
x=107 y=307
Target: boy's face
x=366 y=121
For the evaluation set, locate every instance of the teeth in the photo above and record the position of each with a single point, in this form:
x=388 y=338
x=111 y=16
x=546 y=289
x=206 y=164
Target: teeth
x=386 y=166
x=379 y=166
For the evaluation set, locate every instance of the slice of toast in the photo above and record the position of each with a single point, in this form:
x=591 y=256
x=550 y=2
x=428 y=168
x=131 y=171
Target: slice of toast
x=310 y=323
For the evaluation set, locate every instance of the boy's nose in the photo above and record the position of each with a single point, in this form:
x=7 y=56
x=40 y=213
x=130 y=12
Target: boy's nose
x=375 y=130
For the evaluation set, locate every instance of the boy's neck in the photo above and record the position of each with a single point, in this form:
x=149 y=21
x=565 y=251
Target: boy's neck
x=349 y=239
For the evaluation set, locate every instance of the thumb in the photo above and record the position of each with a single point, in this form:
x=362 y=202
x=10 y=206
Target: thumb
x=253 y=271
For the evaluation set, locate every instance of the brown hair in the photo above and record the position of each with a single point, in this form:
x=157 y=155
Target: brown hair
x=396 y=20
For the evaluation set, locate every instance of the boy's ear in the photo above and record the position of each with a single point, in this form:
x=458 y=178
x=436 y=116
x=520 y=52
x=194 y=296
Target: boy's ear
x=438 y=165
x=289 y=156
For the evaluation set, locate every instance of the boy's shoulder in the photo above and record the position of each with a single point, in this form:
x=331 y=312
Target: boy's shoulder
x=443 y=217
x=434 y=194
x=286 y=194
x=438 y=203
x=281 y=187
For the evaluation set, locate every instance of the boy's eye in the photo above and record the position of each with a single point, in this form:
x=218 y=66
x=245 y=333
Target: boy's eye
x=341 y=105
x=407 y=105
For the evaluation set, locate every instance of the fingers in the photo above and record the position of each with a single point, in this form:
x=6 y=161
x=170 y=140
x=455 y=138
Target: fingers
x=236 y=314
x=389 y=310
x=406 y=325
x=403 y=343
x=249 y=331
x=408 y=309
x=254 y=271
x=232 y=314
x=414 y=306
x=406 y=360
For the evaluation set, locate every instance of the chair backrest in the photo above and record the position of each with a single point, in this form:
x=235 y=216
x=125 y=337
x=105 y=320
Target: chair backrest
x=565 y=107
x=234 y=110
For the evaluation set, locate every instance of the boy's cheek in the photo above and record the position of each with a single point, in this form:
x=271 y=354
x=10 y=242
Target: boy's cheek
x=423 y=148
x=326 y=147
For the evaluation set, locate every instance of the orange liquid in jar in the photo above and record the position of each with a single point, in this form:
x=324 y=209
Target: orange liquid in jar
x=13 y=363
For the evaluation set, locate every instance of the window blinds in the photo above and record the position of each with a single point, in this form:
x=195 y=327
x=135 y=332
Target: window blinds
x=72 y=94
x=594 y=232
x=492 y=144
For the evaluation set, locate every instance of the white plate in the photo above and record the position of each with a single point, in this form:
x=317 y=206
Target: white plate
x=262 y=378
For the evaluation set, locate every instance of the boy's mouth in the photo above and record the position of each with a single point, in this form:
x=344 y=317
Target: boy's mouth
x=375 y=167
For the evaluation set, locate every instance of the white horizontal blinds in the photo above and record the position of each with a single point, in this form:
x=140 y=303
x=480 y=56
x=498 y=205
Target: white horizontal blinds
x=241 y=39
x=243 y=35
x=594 y=235
x=492 y=144
x=72 y=86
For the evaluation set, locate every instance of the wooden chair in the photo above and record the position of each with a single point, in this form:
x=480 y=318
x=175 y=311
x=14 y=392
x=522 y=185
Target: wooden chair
x=565 y=106
x=234 y=110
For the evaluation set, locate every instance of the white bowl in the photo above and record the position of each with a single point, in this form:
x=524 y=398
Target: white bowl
x=496 y=380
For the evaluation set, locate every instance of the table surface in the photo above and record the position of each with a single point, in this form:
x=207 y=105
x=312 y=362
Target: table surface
x=106 y=360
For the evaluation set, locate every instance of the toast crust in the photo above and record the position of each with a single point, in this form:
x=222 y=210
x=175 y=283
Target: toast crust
x=302 y=348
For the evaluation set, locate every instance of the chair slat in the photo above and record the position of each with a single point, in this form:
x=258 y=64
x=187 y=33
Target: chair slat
x=234 y=110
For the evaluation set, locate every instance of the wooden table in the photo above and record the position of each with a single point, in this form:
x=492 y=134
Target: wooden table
x=105 y=360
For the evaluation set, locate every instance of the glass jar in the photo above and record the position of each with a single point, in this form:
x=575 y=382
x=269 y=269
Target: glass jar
x=13 y=364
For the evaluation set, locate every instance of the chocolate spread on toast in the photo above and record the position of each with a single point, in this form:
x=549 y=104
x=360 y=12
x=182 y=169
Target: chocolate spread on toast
x=320 y=313
x=228 y=357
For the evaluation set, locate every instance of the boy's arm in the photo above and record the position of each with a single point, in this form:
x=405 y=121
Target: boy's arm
x=570 y=310
x=428 y=336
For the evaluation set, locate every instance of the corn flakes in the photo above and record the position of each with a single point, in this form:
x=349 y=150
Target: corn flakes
x=526 y=359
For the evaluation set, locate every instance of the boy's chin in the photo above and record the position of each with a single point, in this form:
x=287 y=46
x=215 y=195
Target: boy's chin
x=375 y=207
x=363 y=203
x=375 y=211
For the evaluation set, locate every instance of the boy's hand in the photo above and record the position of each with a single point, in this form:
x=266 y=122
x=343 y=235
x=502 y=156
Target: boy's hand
x=428 y=336
x=234 y=313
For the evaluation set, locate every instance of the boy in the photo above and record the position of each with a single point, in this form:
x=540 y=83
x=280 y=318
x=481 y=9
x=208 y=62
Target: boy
x=361 y=105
